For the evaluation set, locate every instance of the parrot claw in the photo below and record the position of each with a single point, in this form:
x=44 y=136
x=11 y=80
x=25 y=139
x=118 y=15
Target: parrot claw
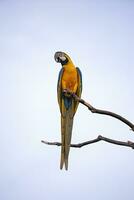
x=67 y=93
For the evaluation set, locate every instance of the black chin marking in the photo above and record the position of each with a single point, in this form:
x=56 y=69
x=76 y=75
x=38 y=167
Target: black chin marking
x=64 y=62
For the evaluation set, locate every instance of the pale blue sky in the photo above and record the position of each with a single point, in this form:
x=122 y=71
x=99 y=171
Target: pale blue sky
x=99 y=36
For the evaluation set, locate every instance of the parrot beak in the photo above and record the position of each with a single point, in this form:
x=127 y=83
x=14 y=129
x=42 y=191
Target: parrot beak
x=60 y=58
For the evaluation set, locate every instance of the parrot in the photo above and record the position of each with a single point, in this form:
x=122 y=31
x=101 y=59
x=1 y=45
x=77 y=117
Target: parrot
x=69 y=79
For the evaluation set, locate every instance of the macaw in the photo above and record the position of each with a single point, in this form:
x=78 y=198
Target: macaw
x=70 y=78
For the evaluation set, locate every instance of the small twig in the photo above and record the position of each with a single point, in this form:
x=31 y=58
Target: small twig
x=99 y=138
x=98 y=111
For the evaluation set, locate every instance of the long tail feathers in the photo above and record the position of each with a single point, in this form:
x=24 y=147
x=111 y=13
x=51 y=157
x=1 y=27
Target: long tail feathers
x=66 y=134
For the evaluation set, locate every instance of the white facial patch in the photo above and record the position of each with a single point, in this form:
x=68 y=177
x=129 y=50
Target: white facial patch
x=63 y=58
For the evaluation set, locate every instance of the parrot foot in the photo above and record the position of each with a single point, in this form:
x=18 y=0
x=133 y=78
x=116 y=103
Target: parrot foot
x=67 y=93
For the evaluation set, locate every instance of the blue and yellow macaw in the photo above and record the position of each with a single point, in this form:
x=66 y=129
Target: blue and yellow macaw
x=70 y=78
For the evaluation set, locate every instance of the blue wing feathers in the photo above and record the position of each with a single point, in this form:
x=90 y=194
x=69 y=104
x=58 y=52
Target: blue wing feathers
x=80 y=74
x=67 y=100
x=59 y=78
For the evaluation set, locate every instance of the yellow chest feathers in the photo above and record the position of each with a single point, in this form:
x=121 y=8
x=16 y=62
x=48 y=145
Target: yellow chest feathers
x=69 y=79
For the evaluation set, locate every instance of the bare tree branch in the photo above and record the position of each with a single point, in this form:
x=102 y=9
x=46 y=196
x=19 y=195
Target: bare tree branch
x=98 y=111
x=99 y=138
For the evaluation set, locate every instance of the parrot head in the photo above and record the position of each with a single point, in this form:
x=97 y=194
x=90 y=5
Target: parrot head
x=62 y=58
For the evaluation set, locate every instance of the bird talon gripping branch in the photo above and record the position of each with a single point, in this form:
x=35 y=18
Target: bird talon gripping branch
x=67 y=93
